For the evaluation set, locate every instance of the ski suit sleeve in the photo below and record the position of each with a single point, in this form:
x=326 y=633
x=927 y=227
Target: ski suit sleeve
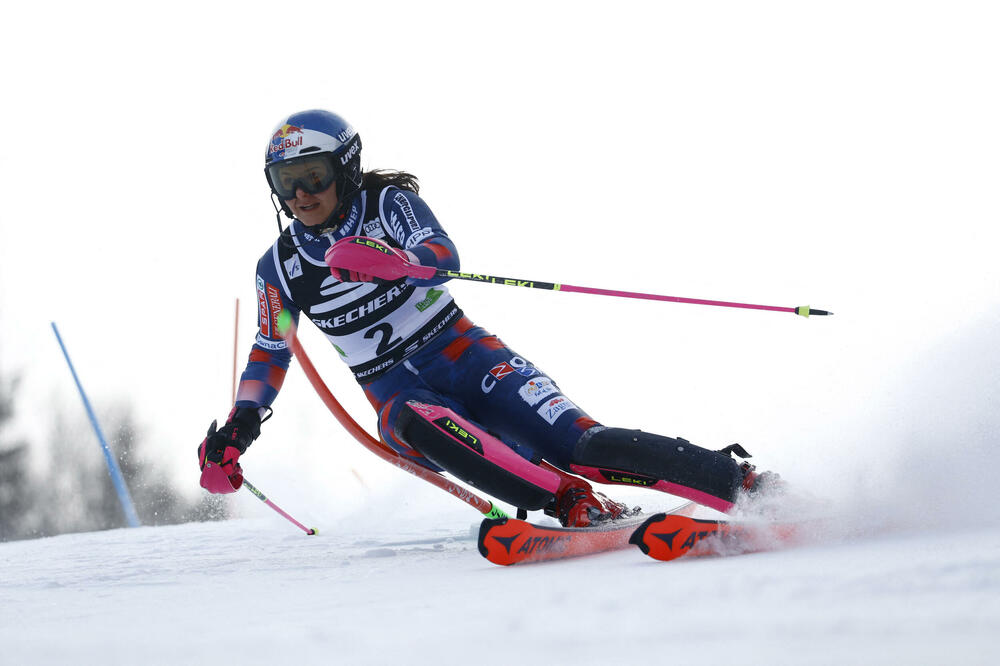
x=412 y=225
x=270 y=356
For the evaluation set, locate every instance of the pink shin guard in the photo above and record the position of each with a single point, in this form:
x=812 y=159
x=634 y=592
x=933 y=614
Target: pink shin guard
x=603 y=475
x=477 y=457
x=473 y=455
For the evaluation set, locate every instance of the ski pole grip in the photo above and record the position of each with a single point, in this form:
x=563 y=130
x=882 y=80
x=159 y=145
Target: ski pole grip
x=421 y=272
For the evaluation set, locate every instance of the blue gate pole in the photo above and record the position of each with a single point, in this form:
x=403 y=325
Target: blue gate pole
x=116 y=474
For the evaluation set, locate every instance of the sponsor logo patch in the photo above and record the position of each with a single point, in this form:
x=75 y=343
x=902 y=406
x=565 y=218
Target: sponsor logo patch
x=271 y=345
x=293 y=267
x=420 y=407
x=358 y=313
x=459 y=433
x=373 y=229
x=418 y=236
x=263 y=315
x=351 y=152
x=404 y=205
x=536 y=390
x=544 y=544
x=501 y=370
x=352 y=219
x=432 y=296
x=346 y=134
x=396 y=228
x=626 y=478
x=553 y=408
x=286 y=137
x=274 y=301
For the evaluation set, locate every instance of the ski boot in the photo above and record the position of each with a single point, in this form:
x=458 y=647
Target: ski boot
x=761 y=484
x=764 y=495
x=577 y=504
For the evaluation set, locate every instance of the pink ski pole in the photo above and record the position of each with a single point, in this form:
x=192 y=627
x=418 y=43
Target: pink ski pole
x=259 y=495
x=357 y=251
x=803 y=310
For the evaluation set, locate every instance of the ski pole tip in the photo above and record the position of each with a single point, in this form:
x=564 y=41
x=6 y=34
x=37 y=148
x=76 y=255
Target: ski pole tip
x=805 y=311
x=312 y=530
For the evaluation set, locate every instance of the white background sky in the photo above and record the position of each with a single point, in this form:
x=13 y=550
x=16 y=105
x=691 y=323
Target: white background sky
x=838 y=154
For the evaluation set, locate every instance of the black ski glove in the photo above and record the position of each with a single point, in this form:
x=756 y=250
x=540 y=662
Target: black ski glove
x=219 y=453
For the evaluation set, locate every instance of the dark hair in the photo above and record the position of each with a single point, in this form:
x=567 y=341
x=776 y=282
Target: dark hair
x=377 y=179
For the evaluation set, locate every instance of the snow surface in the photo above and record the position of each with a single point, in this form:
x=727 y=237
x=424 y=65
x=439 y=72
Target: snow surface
x=396 y=590
x=910 y=574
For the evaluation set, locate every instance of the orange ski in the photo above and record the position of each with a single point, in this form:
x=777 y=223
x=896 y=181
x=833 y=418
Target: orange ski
x=668 y=536
x=511 y=541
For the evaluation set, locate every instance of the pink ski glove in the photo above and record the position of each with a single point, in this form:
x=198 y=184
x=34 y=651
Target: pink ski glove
x=219 y=453
x=363 y=259
x=220 y=468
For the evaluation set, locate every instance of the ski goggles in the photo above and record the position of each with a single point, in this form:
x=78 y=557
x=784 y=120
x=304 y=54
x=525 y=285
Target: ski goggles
x=313 y=173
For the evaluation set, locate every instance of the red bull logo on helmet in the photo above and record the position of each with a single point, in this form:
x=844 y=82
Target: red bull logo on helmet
x=287 y=130
x=287 y=136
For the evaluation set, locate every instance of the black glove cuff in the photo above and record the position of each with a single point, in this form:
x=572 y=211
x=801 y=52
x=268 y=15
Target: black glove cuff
x=245 y=423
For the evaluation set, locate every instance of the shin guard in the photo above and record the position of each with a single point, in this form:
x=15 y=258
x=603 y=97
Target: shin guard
x=474 y=456
x=675 y=466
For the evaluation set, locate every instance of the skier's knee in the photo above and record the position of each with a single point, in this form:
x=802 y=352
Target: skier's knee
x=474 y=456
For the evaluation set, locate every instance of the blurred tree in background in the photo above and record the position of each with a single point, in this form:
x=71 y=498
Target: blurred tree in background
x=74 y=492
x=15 y=486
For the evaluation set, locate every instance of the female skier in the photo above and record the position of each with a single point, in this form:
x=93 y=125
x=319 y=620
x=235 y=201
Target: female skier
x=358 y=260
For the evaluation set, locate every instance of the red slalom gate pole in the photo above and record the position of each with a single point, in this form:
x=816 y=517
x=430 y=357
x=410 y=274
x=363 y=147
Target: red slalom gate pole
x=288 y=330
x=236 y=335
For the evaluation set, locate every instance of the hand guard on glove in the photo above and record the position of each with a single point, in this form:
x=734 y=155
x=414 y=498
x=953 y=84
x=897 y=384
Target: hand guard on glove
x=362 y=259
x=220 y=451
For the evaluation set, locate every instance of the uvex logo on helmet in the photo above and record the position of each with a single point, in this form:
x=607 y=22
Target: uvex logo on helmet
x=351 y=152
x=283 y=139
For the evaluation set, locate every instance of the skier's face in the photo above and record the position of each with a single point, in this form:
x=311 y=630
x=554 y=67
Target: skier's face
x=313 y=209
